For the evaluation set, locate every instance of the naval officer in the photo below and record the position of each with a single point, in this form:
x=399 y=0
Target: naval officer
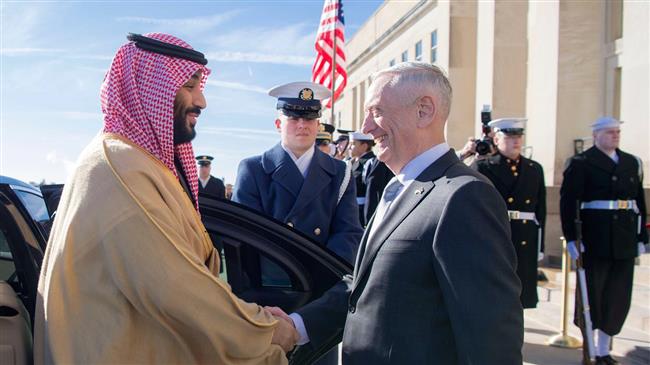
x=207 y=183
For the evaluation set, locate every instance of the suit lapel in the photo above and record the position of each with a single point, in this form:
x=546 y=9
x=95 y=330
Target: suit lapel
x=399 y=210
x=318 y=177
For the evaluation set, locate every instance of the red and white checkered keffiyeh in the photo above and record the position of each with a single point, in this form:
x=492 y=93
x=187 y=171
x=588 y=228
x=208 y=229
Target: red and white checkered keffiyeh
x=137 y=99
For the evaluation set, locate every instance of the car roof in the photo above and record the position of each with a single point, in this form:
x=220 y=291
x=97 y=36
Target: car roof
x=17 y=183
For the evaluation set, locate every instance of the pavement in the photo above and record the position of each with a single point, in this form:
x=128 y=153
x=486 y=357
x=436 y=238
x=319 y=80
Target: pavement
x=630 y=347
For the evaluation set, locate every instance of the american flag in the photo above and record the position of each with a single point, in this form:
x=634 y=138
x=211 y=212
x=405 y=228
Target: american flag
x=321 y=73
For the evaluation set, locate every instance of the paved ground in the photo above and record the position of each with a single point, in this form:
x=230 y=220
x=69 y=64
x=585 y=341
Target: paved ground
x=630 y=347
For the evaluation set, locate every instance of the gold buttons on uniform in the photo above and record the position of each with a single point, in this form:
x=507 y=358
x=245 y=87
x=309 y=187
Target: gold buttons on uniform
x=511 y=199
x=290 y=224
x=515 y=173
x=524 y=221
x=317 y=231
x=513 y=168
x=527 y=201
x=523 y=243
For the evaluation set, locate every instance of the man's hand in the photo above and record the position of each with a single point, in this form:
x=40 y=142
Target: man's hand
x=469 y=149
x=285 y=334
x=277 y=312
x=573 y=250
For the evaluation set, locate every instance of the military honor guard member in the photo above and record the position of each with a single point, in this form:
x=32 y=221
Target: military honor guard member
x=207 y=183
x=342 y=143
x=324 y=139
x=360 y=152
x=376 y=176
x=605 y=184
x=520 y=181
x=298 y=184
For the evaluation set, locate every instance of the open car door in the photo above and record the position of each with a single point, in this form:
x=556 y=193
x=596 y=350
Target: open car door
x=269 y=263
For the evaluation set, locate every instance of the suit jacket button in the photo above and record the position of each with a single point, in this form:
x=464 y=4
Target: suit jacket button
x=352 y=308
x=317 y=231
x=290 y=224
x=523 y=243
x=511 y=199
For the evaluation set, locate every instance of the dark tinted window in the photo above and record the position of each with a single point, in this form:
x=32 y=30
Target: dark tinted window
x=35 y=205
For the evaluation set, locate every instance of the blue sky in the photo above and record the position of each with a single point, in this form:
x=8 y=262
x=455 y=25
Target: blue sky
x=54 y=54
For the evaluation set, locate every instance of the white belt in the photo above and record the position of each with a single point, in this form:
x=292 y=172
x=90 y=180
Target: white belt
x=514 y=215
x=611 y=205
x=361 y=200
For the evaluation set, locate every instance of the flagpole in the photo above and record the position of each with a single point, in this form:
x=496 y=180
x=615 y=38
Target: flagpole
x=336 y=19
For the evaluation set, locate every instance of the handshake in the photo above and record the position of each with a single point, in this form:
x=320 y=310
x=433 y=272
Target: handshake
x=285 y=334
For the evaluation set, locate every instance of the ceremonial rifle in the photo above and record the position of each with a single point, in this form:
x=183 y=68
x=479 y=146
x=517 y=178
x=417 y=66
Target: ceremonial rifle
x=588 y=348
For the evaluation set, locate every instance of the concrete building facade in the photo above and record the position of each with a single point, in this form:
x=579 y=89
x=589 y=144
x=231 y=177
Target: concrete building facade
x=561 y=64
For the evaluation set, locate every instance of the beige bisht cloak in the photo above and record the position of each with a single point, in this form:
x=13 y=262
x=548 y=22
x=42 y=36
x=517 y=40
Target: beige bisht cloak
x=130 y=274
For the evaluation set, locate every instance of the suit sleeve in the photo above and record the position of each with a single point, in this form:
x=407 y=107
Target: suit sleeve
x=325 y=316
x=475 y=264
x=245 y=190
x=345 y=229
x=540 y=213
x=570 y=192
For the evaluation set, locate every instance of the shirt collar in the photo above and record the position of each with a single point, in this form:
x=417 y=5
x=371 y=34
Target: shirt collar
x=414 y=168
x=302 y=162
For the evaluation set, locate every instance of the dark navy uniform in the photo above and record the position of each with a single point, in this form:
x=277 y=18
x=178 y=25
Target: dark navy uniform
x=521 y=184
x=357 y=174
x=214 y=186
x=375 y=176
x=271 y=183
x=613 y=215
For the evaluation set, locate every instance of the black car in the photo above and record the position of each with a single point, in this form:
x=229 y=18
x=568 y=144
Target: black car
x=244 y=236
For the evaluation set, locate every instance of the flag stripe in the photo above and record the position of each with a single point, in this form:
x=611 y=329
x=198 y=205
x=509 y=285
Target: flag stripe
x=332 y=20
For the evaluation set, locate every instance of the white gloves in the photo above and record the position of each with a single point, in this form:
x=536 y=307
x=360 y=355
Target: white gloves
x=573 y=251
x=641 y=248
x=540 y=256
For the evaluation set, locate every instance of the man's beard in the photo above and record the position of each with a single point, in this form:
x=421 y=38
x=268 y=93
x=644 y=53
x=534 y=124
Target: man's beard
x=183 y=131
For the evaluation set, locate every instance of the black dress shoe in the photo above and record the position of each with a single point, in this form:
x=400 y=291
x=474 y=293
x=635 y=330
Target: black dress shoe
x=605 y=360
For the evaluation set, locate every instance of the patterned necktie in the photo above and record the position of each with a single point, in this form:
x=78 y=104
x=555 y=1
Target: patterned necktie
x=390 y=193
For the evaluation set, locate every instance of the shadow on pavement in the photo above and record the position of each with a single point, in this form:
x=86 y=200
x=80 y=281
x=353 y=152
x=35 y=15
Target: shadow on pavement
x=536 y=354
x=640 y=355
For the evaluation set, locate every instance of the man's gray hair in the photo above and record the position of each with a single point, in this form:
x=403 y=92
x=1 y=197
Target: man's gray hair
x=415 y=79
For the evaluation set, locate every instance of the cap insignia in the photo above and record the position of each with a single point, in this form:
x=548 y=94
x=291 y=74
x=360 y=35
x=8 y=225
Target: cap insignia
x=306 y=94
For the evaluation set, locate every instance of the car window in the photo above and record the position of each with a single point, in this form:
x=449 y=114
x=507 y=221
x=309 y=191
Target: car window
x=35 y=205
x=7 y=267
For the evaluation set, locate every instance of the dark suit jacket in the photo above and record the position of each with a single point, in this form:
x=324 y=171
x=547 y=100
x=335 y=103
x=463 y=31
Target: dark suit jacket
x=525 y=192
x=214 y=187
x=436 y=285
x=377 y=175
x=592 y=175
x=272 y=184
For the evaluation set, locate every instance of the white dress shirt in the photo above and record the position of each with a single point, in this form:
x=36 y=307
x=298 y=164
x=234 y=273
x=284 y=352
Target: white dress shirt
x=303 y=161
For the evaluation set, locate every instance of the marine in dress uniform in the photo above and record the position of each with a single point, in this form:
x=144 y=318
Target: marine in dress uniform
x=520 y=181
x=607 y=184
x=209 y=184
x=298 y=184
x=360 y=152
